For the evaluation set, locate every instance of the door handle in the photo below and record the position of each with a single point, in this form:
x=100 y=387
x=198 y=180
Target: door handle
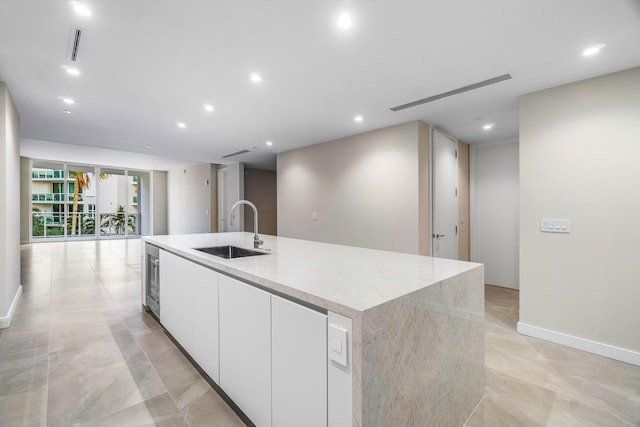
x=156 y=270
x=437 y=236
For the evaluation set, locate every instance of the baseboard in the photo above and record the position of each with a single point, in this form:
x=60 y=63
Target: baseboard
x=6 y=321
x=606 y=350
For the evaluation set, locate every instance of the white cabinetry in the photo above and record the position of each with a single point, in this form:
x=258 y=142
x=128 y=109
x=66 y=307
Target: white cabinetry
x=189 y=309
x=176 y=298
x=267 y=353
x=245 y=348
x=299 y=365
x=205 y=320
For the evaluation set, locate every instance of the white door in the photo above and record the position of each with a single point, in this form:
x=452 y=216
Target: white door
x=444 y=225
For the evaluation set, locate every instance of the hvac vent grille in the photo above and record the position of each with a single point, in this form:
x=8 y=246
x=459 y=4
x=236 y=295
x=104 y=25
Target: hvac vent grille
x=75 y=35
x=235 y=154
x=453 y=92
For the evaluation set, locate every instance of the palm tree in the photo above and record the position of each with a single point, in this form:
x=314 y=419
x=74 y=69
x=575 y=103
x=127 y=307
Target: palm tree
x=82 y=182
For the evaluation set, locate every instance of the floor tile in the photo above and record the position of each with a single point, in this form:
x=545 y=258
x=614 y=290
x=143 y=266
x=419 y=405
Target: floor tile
x=158 y=411
x=27 y=409
x=83 y=395
x=18 y=345
x=22 y=374
x=210 y=410
x=174 y=369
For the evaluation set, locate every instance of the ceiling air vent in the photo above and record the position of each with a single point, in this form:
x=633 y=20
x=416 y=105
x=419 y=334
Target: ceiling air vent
x=74 y=43
x=235 y=154
x=453 y=92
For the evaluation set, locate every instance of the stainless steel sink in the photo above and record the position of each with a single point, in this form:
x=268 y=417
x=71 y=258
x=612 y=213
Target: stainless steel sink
x=230 y=251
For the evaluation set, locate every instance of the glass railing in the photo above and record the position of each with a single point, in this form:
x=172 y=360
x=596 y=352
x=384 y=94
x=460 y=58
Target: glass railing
x=85 y=224
x=52 y=224
x=53 y=197
x=119 y=223
x=47 y=174
x=47 y=224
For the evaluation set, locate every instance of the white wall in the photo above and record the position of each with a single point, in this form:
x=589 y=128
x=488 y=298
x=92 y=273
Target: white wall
x=495 y=215
x=158 y=203
x=189 y=199
x=10 y=288
x=364 y=189
x=579 y=153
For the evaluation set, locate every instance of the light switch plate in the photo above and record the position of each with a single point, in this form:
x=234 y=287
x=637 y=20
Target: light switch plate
x=555 y=225
x=337 y=347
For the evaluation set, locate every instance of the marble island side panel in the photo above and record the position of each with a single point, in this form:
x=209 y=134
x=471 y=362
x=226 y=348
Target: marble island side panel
x=422 y=355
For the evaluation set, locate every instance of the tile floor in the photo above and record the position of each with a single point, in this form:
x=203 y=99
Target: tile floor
x=531 y=382
x=80 y=352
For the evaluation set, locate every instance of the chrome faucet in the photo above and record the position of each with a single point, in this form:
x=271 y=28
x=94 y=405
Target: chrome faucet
x=256 y=239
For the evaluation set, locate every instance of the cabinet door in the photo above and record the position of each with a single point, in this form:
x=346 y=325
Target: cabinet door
x=245 y=348
x=299 y=365
x=205 y=320
x=176 y=298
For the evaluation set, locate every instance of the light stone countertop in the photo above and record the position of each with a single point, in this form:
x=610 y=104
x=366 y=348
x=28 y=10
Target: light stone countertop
x=344 y=279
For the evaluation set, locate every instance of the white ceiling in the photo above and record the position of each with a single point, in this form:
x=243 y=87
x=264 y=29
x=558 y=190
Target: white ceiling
x=146 y=64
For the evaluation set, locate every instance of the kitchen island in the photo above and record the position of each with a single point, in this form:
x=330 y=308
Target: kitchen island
x=398 y=341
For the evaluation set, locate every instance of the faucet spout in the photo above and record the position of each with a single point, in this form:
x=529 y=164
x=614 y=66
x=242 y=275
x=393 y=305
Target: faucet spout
x=256 y=239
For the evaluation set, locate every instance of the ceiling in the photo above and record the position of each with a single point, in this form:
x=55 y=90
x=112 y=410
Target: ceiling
x=147 y=64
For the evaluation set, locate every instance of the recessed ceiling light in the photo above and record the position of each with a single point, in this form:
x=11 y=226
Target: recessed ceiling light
x=73 y=71
x=181 y=125
x=81 y=9
x=344 y=21
x=207 y=107
x=148 y=146
x=68 y=101
x=66 y=111
x=592 y=50
x=358 y=118
x=255 y=77
x=488 y=126
x=269 y=143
